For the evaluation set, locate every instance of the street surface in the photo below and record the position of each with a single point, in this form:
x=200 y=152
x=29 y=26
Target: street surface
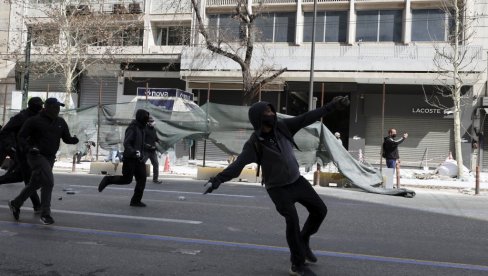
x=237 y=231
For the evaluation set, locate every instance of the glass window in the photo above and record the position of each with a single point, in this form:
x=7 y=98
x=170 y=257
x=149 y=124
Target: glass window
x=45 y=37
x=284 y=27
x=379 y=25
x=264 y=28
x=173 y=35
x=429 y=25
x=331 y=26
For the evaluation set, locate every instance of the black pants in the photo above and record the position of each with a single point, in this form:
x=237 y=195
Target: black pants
x=131 y=168
x=21 y=172
x=284 y=199
x=153 y=156
x=41 y=177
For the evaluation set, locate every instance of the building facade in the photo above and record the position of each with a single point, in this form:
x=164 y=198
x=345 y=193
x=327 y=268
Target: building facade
x=379 y=53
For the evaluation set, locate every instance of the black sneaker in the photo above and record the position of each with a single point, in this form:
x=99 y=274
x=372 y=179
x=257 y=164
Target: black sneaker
x=137 y=204
x=47 y=219
x=104 y=183
x=157 y=182
x=301 y=270
x=15 y=211
x=309 y=256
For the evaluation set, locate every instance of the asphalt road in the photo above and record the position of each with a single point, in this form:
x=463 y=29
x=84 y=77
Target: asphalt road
x=237 y=231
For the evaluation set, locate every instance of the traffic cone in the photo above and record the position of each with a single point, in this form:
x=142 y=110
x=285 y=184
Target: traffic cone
x=166 y=165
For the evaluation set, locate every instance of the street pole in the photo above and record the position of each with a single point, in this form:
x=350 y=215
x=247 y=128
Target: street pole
x=312 y=57
x=25 y=93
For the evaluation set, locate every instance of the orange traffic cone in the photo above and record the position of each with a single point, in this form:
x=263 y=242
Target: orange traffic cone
x=166 y=165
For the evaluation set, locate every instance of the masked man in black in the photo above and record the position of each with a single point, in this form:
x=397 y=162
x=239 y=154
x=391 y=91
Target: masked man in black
x=133 y=163
x=20 y=171
x=150 y=150
x=40 y=137
x=271 y=146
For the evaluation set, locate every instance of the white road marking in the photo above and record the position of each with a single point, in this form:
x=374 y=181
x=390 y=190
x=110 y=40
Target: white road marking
x=162 y=191
x=120 y=216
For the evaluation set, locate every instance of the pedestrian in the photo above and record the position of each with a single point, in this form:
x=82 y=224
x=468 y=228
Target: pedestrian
x=338 y=137
x=133 y=159
x=20 y=170
x=40 y=137
x=150 y=150
x=271 y=147
x=390 y=148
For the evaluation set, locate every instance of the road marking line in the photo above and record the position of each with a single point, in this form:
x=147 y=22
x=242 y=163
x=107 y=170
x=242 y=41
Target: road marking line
x=120 y=216
x=346 y=255
x=163 y=191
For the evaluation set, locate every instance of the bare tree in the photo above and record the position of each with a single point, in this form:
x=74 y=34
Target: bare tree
x=238 y=44
x=68 y=37
x=455 y=62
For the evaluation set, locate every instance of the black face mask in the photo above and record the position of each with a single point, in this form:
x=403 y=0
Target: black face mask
x=268 y=120
x=393 y=136
x=35 y=108
x=52 y=111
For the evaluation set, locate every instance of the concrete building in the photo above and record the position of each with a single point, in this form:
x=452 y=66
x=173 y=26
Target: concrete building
x=364 y=48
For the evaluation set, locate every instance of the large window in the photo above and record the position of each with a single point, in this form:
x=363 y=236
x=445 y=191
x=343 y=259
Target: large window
x=330 y=26
x=112 y=37
x=430 y=25
x=275 y=27
x=173 y=35
x=379 y=25
x=45 y=37
x=224 y=27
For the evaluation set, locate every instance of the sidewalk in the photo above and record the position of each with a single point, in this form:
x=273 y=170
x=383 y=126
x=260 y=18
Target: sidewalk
x=410 y=178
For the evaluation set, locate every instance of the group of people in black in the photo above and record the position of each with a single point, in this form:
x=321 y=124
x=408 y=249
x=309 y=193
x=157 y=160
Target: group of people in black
x=270 y=146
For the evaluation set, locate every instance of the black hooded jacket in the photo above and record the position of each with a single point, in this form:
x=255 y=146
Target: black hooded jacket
x=8 y=134
x=134 y=135
x=390 y=147
x=44 y=133
x=277 y=160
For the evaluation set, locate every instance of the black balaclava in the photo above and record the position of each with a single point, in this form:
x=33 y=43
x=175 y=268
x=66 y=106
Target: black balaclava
x=35 y=104
x=52 y=110
x=142 y=117
x=268 y=120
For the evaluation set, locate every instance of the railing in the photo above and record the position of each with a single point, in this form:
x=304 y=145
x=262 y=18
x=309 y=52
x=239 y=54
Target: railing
x=234 y=2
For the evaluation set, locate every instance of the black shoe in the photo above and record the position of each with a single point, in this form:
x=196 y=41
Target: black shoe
x=15 y=211
x=157 y=182
x=104 y=183
x=47 y=219
x=137 y=204
x=37 y=210
x=301 y=270
x=309 y=256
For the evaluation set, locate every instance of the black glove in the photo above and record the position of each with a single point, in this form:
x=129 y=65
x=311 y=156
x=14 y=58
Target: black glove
x=34 y=151
x=75 y=140
x=338 y=103
x=212 y=184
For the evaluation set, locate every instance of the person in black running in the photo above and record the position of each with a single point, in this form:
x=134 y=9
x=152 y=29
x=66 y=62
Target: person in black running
x=133 y=159
x=40 y=138
x=150 y=150
x=20 y=170
x=271 y=147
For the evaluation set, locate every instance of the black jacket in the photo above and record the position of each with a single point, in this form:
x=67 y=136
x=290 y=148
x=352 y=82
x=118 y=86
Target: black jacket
x=8 y=134
x=45 y=133
x=390 y=147
x=135 y=138
x=278 y=163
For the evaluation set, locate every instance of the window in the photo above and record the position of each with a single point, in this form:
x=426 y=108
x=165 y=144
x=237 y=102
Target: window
x=113 y=37
x=379 y=25
x=45 y=37
x=330 y=26
x=224 y=27
x=430 y=25
x=173 y=35
x=275 y=27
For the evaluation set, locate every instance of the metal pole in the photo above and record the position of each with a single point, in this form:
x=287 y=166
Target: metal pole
x=322 y=99
x=312 y=56
x=206 y=126
x=99 y=121
x=4 y=103
x=25 y=93
x=477 y=187
x=398 y=174
x=382 y=125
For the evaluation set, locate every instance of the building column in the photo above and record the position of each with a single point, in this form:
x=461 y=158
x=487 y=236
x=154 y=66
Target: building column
x=407 y=22
x=351 y=24
x=299 y=24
